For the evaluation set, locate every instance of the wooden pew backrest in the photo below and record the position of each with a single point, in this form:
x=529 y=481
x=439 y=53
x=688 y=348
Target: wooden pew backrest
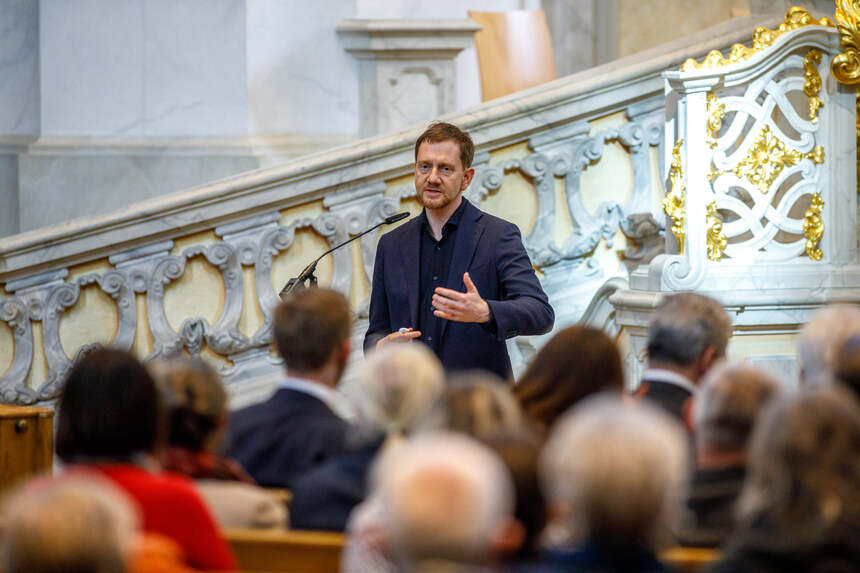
x=271 y=551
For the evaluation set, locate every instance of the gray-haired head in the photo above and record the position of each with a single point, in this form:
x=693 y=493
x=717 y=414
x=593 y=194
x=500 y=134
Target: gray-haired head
x=684 y=326
x=480 y=404
x=398 y=388
x=821 y=339
x=72 y=524
x=445 y=496
x=726 y=408
x=618 y=468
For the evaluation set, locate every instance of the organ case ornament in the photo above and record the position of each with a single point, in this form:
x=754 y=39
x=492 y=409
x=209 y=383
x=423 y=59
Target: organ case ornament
x=717 y=241
x=812 y=83
x=716 y=112
x=795 y=18
x=813 y=227
x=845 y=67
x=674 y=201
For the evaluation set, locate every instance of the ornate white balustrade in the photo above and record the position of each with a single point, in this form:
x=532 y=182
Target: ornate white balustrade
x=762 y=198
x=198 y=271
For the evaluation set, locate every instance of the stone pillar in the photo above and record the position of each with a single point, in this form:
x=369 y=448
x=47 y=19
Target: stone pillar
x=406 y=68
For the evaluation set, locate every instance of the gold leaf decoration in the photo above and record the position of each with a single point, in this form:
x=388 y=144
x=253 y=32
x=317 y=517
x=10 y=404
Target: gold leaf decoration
x=716 y=239
x=716 y=112
x=795 y=18
x=813 y=227
x=812 y=82
x=673 y=202
x=845 y=67
x=765 y=160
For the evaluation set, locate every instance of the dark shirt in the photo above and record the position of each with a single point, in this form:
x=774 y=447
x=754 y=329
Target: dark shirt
x=593 y=557
x=434 y=263
x=710 y=506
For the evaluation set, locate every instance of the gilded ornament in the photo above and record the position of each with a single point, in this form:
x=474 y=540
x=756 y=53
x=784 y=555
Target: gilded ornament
x=716 y=239
x=765 y=160
x=845 y=67
x=673 y=202
x=795 y=18
x=813 y=227
x=812 y=82
x=716 y=112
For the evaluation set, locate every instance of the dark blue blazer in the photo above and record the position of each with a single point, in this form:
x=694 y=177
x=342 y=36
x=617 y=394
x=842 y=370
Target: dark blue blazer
x=491 y=249
x=324 y=497
x=281 y=439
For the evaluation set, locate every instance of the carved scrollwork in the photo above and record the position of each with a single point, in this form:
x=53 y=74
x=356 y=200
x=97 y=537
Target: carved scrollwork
x=224 y=336
x=13 y=389
x=845 y=67
x=716 y=238
x=674 y=203
x=58 y=300
x=115 y=285
x=272 y=243
x=166 y=342
x=813 y=227
x=333 y=228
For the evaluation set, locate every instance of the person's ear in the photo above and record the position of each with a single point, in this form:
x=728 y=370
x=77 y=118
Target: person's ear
x=687 y=413
x=467 y=178
x=706 y=361
x=508 y=537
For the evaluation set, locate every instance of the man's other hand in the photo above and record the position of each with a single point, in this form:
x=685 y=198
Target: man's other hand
x=461 y=306
x=402 y=335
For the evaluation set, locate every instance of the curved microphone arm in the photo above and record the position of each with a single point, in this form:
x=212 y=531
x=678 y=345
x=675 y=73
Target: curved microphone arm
x=307 y=274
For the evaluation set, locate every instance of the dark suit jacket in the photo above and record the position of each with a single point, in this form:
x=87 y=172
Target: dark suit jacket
x=491 y=249
x=282 y=438
x=324 y=497
x=671 y=397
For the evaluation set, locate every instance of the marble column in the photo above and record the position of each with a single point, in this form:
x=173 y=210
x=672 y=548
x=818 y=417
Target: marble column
x=406 y=68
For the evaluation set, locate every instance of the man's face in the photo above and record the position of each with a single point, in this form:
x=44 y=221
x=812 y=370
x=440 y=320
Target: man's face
x=439 y=175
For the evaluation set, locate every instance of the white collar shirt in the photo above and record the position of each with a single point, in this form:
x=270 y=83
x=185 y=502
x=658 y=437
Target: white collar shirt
x=335 y=401
x=669 y=377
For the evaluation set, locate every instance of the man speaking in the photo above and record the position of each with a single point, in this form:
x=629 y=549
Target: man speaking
x=455 y=278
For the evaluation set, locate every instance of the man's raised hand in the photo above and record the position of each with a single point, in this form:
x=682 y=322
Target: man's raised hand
x=461 y=306
x=402 y=335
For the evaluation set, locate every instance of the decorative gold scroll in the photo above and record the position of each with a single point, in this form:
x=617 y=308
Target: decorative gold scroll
x=813 y=227
x=812 y=82
x=716 y=112
x=845 y=67
x=716 y=239
x=674 y=201
x=795 y=18
x=765 y=160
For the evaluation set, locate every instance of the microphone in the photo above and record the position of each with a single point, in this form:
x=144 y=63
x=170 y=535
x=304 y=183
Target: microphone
x=308 y=273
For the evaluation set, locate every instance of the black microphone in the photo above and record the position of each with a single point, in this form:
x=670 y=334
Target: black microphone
x=308 y=272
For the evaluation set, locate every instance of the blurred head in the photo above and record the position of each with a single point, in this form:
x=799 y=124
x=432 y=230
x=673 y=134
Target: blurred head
x=848 y=364
x=821 y=339
x=520 y=452
x=109 y=409
x=480 y=404
x=688 y=331
x=399 y=386
x=726 y=408
x=68 y=525
x=804 y=466
x=445 y=496
x=312 y=328
x=577 y=362
x=617 y=469
x=195 y=398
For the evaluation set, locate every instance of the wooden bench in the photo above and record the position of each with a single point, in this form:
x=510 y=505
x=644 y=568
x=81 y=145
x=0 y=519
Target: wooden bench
x=272 y=551
x=689 y=559
x=26 y=443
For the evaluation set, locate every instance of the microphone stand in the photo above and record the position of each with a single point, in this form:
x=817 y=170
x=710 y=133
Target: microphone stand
x=307 y=275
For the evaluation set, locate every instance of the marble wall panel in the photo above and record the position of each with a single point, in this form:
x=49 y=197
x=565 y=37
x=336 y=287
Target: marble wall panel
x=300 y=79
x=56 y=188
x=19 y=67
x=8 y=194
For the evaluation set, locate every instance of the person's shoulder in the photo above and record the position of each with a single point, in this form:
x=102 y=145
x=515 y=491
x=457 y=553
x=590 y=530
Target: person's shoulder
x=400 y=232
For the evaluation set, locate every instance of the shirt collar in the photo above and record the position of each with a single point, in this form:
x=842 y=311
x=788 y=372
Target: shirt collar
x=669 y=377
x=335 y=401
x=453 y=220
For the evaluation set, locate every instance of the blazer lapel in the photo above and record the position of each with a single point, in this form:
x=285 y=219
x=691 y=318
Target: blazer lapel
x=465 y=245
x=410 y=254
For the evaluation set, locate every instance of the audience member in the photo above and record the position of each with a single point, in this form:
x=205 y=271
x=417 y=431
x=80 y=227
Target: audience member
x=577 y=362
x=799 y=509
x=306 y=421
x=686 y=337
x=520 y=452
x=724 y=414
x=112 y=422
x=479 y=404
x=617 y=471
x=398 y=388
x=447 y=502
x=848 y=364
x=821 y=339
x=197 y=412
x=72 y=525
